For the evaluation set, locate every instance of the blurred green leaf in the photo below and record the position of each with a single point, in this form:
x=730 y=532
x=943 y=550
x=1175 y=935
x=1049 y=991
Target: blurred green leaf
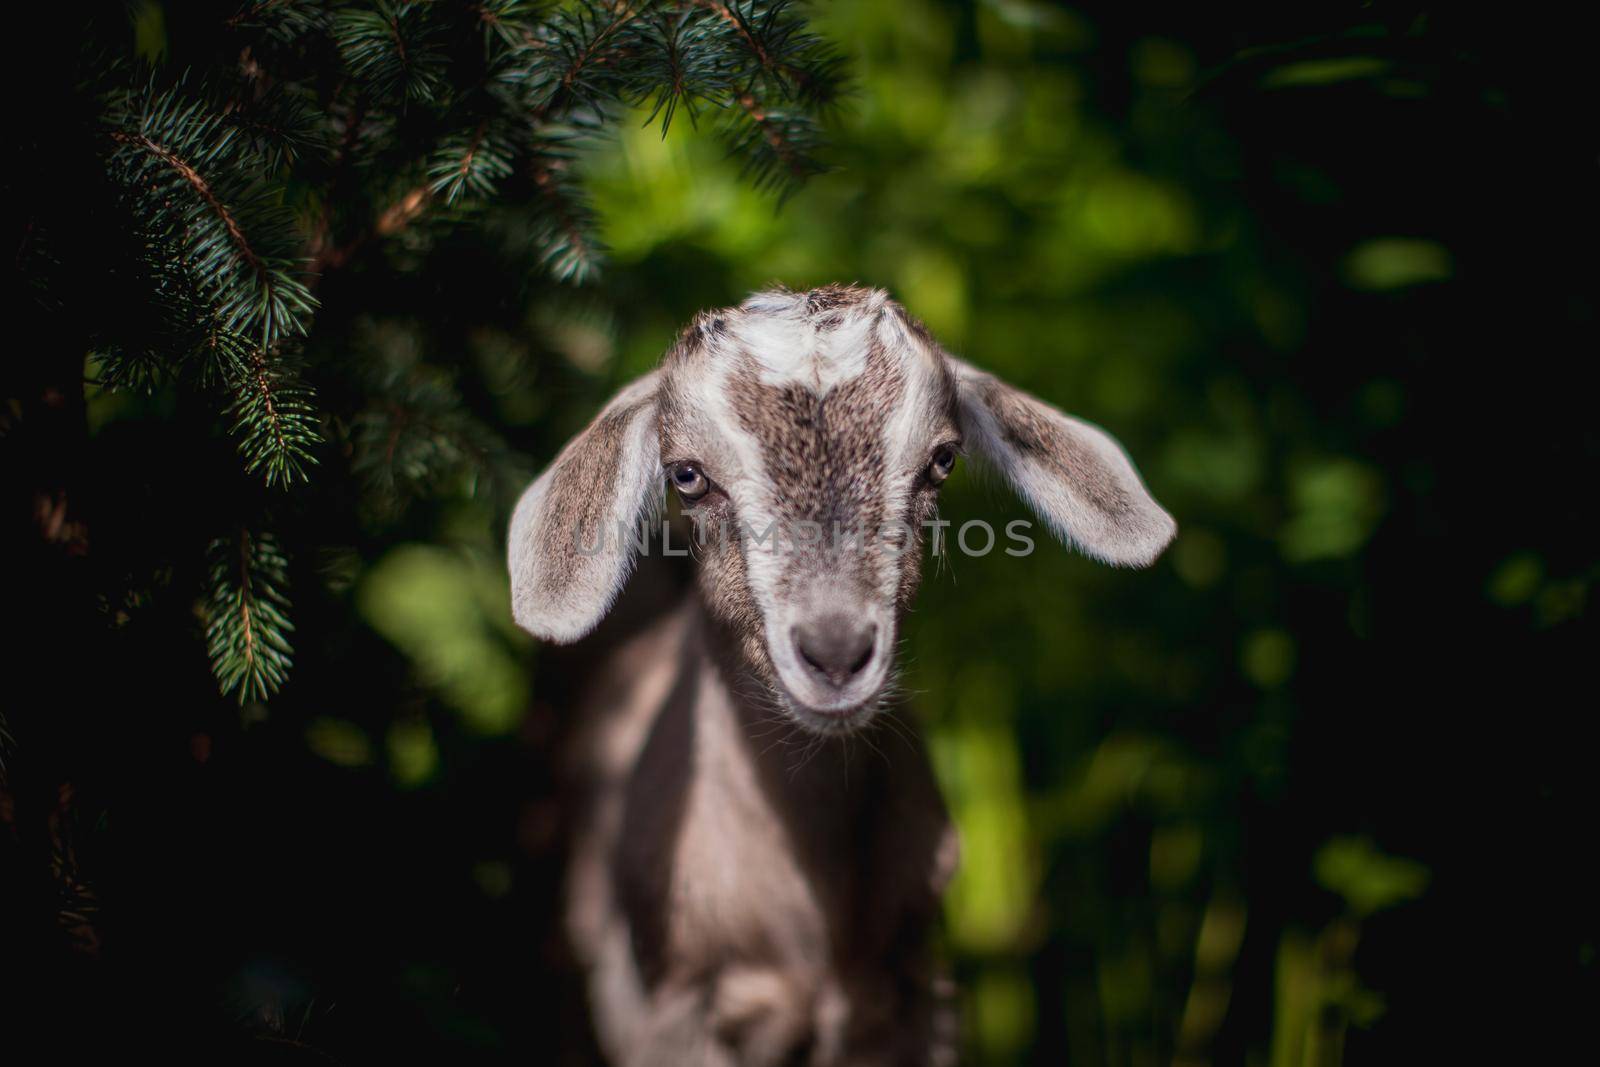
x=1001 y=1013
x=1367 y=879
x=442 y=609
x=1337 y=504
x=1324 y=71
x=990 y=903
x=413 y=753
x=1396 y=262
x=338 y=741
x=1268 y=658
x=1516 y=580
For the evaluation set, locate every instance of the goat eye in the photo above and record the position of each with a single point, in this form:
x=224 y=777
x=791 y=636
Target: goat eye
x=944 y=461
x=690 y=481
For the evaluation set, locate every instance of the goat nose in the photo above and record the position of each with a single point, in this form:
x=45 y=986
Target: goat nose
x=835 y=646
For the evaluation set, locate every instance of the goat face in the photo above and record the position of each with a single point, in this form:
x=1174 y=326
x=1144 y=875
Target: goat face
x=807 y=434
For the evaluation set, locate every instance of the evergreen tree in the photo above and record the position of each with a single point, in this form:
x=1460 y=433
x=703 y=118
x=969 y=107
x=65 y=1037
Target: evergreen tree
x=244 y=160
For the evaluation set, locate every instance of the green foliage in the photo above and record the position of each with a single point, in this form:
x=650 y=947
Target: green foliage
x=447 y=611
x=1368 y=880
x=394 y=50
x=273 y=411
x=335 y=128
x=211 y=214
x=415 y=436
x=246 y=614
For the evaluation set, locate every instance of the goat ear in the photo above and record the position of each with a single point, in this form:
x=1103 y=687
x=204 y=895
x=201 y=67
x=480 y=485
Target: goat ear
x=572 y=537
x=1073 y=474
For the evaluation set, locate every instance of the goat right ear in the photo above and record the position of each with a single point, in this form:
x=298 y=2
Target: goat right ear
x=573 y=532
x=1076 y=476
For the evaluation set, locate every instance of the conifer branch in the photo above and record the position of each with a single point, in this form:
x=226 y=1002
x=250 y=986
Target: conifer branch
x=247 y=626
x=782 y=48
x=205 y=195
x=203 y=190
x=416 y=434
x=571 y=252
x=274 y=415
x=777 y=145
x=393 y=49
x=474 y=163
x=240 y=191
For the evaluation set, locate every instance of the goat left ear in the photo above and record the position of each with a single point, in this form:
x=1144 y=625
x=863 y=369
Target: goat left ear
x=572 y=537
x=1073 y=474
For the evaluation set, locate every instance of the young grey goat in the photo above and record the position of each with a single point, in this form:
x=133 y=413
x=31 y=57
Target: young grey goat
x=733 y=902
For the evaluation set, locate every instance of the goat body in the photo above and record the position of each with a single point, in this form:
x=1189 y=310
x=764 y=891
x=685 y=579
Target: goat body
x=743 y=892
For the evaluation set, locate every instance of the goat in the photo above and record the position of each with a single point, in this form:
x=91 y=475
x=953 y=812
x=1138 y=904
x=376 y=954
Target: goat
x=732 y=902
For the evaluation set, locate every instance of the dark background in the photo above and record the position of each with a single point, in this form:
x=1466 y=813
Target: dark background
x=1318 y=785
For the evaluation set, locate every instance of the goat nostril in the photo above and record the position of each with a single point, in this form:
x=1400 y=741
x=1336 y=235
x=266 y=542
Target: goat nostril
x=835 y=646
x=810 y=660
x=866 y=656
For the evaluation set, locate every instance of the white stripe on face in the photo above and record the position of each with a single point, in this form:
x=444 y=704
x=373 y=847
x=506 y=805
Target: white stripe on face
x=811 y=408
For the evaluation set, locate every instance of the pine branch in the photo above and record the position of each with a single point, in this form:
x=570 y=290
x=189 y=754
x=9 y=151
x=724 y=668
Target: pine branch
x=575 y=59
x=201 y=189
x=800 y=64
x=203 y=194
x=570 y=251
x=247 y=624
x=511 y=22
x=416 y=436
x=283 y=20
x=571 y=70
x=283 y=127
x=275 y=417
x=778 y=145
x=394 y=50
x=683 y=63
x=470 y=163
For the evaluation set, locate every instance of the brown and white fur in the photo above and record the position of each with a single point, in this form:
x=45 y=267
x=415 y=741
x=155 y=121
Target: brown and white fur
x=733 y=902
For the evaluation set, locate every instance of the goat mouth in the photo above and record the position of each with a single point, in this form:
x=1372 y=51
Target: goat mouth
x=832 y=721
